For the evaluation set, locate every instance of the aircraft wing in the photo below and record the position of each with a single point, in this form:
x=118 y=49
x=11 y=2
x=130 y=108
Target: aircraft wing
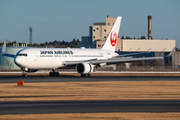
x=124 y=60
x=112 y=60
x=123 y=55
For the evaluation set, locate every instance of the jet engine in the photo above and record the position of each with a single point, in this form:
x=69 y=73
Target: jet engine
x=84 y=68
x=31 y=70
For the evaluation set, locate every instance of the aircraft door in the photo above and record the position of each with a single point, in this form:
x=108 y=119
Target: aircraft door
x=70 y=56
x=108 y=55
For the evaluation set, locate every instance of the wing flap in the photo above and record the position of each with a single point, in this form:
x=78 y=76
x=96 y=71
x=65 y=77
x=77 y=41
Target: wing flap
x=123 y=55
x=124 y=60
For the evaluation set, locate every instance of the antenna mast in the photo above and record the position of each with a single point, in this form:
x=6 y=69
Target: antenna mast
x=30 y=35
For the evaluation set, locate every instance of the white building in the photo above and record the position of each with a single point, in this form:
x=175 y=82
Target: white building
x=148 y=45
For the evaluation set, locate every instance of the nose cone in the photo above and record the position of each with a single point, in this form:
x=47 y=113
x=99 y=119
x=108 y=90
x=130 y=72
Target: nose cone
x=17 y=61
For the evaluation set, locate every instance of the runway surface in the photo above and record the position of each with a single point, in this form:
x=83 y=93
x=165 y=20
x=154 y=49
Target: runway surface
x=88 y=106
x=32 y=79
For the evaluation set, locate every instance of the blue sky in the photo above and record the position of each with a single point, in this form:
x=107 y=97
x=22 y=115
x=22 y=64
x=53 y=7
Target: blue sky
x=67 y=19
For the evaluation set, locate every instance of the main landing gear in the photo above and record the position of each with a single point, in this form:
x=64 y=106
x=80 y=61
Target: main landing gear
x=53 y=73
x=85 y=75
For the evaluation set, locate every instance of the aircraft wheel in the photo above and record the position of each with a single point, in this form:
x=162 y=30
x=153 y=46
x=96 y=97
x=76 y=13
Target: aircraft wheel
x=24 y=75
x=83 y=75
x=50 y=74
x=57 y=74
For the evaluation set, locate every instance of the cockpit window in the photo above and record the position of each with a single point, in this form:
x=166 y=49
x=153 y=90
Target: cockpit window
x=22 y=54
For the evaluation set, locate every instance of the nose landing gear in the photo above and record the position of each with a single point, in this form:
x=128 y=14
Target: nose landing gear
x=53 y=73
x=23 y=72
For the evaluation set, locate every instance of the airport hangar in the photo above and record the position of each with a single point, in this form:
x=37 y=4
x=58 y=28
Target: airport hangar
x=99 y=32
x=97 y=35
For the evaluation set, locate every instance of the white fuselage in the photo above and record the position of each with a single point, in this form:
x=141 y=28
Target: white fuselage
x=51 y=58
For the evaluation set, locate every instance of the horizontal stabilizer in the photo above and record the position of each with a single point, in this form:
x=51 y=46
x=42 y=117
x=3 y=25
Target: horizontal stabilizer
x=4 y=51
x=4 y=47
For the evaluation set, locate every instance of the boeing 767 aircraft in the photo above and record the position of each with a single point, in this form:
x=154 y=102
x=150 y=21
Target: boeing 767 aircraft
x=83 y=60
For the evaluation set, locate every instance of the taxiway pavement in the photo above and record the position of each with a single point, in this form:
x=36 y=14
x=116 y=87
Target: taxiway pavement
x=33 y=79
x=41 y=107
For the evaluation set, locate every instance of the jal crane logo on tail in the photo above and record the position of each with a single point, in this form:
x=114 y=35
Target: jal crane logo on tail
x=113 y=38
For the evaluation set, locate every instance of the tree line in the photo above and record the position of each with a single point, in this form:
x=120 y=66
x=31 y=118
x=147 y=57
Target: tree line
x=59 y=44
x=127 y=37
x=54 y=44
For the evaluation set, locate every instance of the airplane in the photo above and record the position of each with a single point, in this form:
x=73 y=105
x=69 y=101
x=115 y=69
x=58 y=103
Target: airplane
x=84 y=60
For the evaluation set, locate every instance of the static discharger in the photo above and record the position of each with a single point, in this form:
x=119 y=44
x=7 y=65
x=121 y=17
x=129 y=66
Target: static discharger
x=20 y=82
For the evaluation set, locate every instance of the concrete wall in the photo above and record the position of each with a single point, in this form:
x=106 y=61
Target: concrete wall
x=176 y=59
x=119 y=45
x=101 y=31
x=100 y=43
x=109 y=23
x=98 y=32
x=145 y=45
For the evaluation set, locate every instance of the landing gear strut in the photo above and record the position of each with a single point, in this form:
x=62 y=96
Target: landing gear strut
x=85 y=75
x=53 y=73
x=23 y=72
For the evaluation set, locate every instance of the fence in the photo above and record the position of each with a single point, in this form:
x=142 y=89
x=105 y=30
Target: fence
x=116 y=69
x=142 y=69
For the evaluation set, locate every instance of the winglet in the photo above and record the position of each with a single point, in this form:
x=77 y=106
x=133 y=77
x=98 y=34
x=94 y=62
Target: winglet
x=4 y=47
x=172 y=51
